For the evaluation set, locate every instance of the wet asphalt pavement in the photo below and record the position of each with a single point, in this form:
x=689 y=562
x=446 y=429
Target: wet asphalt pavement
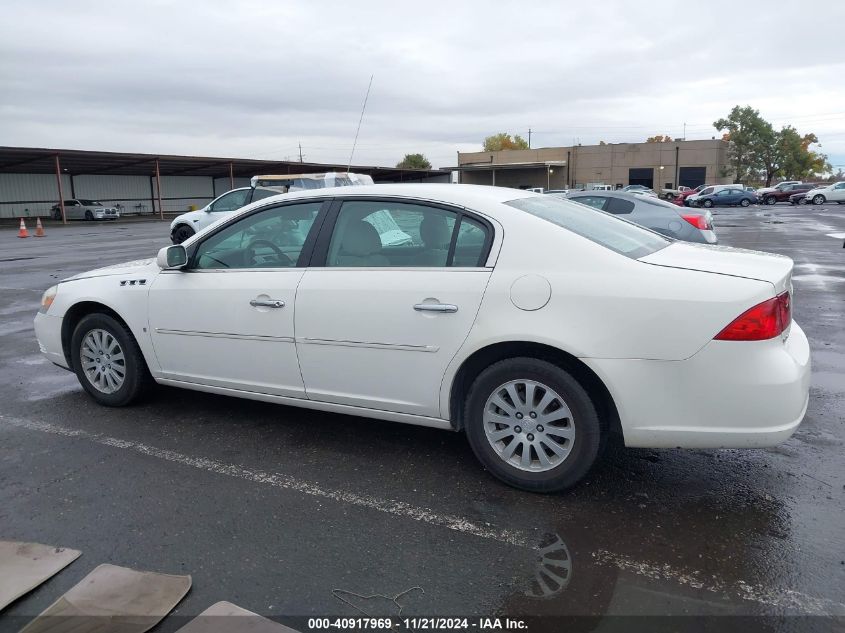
x=285 y=511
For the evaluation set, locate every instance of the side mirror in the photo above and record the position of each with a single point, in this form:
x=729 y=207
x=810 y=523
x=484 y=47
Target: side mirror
x=172 y=257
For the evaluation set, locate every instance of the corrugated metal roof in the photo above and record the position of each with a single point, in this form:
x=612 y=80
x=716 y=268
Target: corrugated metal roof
x=36 y=160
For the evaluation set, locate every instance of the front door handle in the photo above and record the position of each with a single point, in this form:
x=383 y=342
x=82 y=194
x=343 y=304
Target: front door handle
x=267 y=303
x=435 y=307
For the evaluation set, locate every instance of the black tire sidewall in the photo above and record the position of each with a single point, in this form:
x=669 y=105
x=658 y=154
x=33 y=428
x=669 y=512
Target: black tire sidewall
x=136 y=371
x=819 y=198
x=587 y=425
x=182 y=228
x=745 y=203
x=707 y=204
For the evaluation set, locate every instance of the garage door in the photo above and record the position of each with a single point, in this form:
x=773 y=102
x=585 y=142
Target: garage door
x=691 y=176
x=641 y=176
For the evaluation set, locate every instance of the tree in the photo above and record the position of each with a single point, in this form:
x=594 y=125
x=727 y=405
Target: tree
x=414 y=161
x=798 y=160
x=503 y=140
x=659 y=139
x=747 y=133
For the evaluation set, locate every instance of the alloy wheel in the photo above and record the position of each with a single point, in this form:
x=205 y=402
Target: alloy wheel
x=529 y=425
x=102 y=361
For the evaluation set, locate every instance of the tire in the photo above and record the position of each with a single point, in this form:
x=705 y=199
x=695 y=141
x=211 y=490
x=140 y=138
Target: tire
x=818 y=199
x=707 y=204
x=744 y=202
x=771 y=200
x=802 y=201
x=568 y=461
x=99 y=332
x=57 y=215
x=89 y=216
x=182 y=233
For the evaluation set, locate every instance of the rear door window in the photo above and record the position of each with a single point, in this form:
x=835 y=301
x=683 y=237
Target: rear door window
x=619 y=206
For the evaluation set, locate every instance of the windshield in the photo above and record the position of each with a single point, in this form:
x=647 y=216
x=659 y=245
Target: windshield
x=90 y=203
x=602 y=228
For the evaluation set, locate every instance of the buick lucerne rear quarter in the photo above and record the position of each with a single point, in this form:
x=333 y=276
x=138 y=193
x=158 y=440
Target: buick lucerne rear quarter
x=535 y=325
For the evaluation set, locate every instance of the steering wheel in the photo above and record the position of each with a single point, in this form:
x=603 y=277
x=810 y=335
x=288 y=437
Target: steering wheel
x=281 y=257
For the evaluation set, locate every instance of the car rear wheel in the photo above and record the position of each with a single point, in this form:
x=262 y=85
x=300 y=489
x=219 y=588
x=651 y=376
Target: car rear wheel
x=802 y=200
x=744 y=202
x=707 y=204
x=818 y=199
x=182 y=233
x=771 y=200
x=532 y=425
x=57 y=214
x=107 y=361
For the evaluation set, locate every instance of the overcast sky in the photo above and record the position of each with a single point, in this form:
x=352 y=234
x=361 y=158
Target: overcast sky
x=254 y=79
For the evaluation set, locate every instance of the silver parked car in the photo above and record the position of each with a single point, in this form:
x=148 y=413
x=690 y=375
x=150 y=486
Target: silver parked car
x=79 y=209
x=652 y=213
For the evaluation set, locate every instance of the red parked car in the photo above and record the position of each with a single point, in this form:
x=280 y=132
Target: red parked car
x=681 y=198
x=784 y=193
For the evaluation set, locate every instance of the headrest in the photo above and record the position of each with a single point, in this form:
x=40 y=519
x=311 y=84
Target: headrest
x=435 y=232
x=361 y=239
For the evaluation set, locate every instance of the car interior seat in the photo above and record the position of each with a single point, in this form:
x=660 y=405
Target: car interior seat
x=361 y=246
x=436 y=235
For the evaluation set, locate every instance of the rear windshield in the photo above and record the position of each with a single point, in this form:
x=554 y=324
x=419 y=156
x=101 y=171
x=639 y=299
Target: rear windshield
x=602 y=228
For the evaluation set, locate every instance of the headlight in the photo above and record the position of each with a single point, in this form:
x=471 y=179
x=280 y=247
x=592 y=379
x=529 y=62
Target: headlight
x=47 y=298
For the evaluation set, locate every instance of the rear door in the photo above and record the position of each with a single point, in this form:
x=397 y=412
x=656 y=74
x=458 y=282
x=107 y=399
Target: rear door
x=388 y=301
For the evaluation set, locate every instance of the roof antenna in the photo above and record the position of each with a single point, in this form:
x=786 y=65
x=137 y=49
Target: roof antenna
x=355 y=142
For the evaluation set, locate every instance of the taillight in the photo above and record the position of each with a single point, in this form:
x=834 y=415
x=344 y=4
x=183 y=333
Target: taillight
x=698 y=221
x=764 y=321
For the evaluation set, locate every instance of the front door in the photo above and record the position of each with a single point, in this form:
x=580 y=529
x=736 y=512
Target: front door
x=393 y=297
x=227 y=319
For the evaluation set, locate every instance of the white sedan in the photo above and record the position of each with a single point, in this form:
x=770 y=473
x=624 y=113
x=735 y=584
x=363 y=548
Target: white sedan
x=537 y=326
x=830 y=193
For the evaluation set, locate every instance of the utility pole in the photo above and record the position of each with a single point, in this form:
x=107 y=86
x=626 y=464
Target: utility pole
x=300 y=151
x=529 y=138
x=685 y=130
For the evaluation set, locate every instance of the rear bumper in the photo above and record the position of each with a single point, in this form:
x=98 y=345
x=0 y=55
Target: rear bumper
x=48 y=331
x=728 y=395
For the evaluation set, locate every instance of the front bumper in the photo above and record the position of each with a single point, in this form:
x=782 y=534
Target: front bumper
x=48 y=331
x=731 y=394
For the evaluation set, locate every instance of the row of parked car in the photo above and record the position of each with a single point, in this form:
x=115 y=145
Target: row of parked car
x=792 y=191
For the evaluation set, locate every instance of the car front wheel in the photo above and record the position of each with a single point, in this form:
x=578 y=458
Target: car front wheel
x=707 y=203
x=532 y=425
x=818 y=199
x=107 y=360
x=771 y=200
x=182 y=233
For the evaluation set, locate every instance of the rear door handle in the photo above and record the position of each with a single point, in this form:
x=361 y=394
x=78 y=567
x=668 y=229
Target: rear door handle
x=435 y=307
x=267 y=303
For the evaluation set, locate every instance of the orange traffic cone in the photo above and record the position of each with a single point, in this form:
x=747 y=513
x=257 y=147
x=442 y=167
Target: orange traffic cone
x=39 y=229
x=22 y=232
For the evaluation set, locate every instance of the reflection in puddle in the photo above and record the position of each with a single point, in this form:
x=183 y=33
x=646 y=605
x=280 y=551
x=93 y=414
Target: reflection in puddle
x=553 y=571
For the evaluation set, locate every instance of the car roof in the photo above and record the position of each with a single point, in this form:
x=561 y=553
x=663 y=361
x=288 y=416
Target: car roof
x=465 y=195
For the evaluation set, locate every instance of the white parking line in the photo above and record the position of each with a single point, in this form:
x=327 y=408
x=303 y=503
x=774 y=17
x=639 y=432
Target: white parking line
x=768 y=597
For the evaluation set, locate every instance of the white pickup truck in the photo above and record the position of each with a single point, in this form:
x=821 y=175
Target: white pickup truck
x=671 y=194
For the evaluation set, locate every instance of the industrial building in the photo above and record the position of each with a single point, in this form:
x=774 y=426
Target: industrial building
x=33 y=180
x=655 y=165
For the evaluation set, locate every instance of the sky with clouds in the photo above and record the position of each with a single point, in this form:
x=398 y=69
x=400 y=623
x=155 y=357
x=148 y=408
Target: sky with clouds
x=254 y=79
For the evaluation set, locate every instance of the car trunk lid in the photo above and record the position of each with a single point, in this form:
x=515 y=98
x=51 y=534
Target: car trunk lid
x=724 y=260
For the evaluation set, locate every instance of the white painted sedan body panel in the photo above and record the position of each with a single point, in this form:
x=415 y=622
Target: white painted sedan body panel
x=204 y=329
x=361 y=341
